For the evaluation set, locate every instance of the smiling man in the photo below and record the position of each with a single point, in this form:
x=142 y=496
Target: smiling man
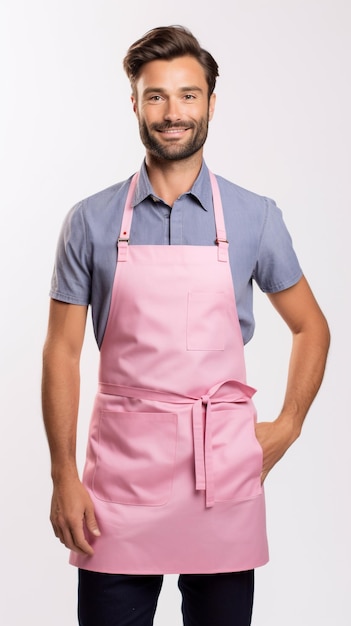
x=173 y=480
x=172 y=102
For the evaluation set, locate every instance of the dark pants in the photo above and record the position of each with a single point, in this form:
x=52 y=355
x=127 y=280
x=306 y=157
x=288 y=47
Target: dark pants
x=124 y=600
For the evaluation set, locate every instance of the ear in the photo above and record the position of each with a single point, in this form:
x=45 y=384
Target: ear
x=212 y=105
x=134 y=104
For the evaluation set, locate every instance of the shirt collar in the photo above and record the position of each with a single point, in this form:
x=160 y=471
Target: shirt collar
x=201 y=189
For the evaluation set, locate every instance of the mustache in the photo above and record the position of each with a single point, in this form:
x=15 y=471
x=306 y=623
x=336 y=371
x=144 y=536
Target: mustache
x=171 y=125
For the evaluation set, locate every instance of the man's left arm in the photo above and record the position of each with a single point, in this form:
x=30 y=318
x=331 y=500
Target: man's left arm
x=299 y=309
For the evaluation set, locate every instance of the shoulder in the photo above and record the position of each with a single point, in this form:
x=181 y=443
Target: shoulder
x=238 y=198
x=110 y=198
x=94 y=216
x=245 y=212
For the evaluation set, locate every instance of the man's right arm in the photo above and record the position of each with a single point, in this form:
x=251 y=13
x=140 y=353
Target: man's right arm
x=71 y=508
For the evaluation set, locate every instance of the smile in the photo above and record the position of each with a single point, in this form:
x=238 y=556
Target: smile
x=173 y=131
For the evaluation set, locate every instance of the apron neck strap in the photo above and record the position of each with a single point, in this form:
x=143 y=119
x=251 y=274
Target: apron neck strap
x=221 y=236
x=128 y=210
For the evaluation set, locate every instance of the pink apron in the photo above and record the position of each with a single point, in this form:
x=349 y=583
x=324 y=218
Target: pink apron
x=173 y=465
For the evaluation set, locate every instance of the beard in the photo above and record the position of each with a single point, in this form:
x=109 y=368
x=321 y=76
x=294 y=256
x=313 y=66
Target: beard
x=174 y=150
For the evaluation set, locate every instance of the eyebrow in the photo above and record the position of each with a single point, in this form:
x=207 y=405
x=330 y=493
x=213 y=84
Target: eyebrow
x=149 y=90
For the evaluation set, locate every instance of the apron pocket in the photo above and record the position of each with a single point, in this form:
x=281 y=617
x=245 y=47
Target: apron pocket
x=205 y=327
x=237 y=454
x=135 y=458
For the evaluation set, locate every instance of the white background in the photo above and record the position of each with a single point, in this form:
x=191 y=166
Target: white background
x=281 y=128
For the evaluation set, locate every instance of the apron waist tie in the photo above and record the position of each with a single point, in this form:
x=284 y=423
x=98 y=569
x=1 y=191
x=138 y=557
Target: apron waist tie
x=230 y=391
x=203 y=449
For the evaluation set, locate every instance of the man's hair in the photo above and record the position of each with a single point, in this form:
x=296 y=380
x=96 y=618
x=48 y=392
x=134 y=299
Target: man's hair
x=168 y=42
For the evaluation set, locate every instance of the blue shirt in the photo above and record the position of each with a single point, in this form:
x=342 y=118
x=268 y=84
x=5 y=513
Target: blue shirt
x=260 y=247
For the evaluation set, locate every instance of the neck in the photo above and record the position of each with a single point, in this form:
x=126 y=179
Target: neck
x=170 y=179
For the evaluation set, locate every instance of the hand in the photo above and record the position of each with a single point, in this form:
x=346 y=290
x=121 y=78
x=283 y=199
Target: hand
x=71 y=511
x=274 y=438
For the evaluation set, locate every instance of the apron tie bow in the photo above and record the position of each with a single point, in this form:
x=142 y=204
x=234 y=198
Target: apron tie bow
x=225 y=391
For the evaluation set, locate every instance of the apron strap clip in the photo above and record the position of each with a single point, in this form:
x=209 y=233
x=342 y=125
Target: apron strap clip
x=122 y=245
x=222 y=249
x=218 y=241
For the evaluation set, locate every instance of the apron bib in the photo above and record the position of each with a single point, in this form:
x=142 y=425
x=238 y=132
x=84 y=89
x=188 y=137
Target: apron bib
x=173 y=465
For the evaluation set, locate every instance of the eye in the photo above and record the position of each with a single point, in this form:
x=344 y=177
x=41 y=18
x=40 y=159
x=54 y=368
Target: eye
x=189 y=96
x=155 y=98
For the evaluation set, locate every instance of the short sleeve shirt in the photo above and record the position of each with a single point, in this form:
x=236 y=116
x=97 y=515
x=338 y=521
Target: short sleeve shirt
x=260 y=247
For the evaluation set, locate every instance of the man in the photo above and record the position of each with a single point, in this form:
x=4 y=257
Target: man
x=175 y=460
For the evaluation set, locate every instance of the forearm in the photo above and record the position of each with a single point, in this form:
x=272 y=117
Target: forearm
x=306 y=371
x=72 y=511
x=310 y=333
x=60 y=399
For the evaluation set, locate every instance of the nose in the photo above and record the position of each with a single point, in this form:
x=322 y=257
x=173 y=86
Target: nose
x=172 y=112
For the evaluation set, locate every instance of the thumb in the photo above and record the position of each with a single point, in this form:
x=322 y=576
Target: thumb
x=91 y=523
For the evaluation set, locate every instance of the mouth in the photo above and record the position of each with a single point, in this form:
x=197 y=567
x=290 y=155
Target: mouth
x=173 y=132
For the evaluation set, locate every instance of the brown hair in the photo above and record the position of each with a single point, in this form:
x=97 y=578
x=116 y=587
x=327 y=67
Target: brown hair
x=168 y=42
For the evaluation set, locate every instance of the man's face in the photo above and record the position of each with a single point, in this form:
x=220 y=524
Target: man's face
x=172 y=106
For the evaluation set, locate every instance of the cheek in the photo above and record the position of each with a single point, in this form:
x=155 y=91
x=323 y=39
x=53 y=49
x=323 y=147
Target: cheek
x=149 y=116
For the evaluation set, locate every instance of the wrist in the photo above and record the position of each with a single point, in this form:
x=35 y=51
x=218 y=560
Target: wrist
x=62 y=472
x=291 y=426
